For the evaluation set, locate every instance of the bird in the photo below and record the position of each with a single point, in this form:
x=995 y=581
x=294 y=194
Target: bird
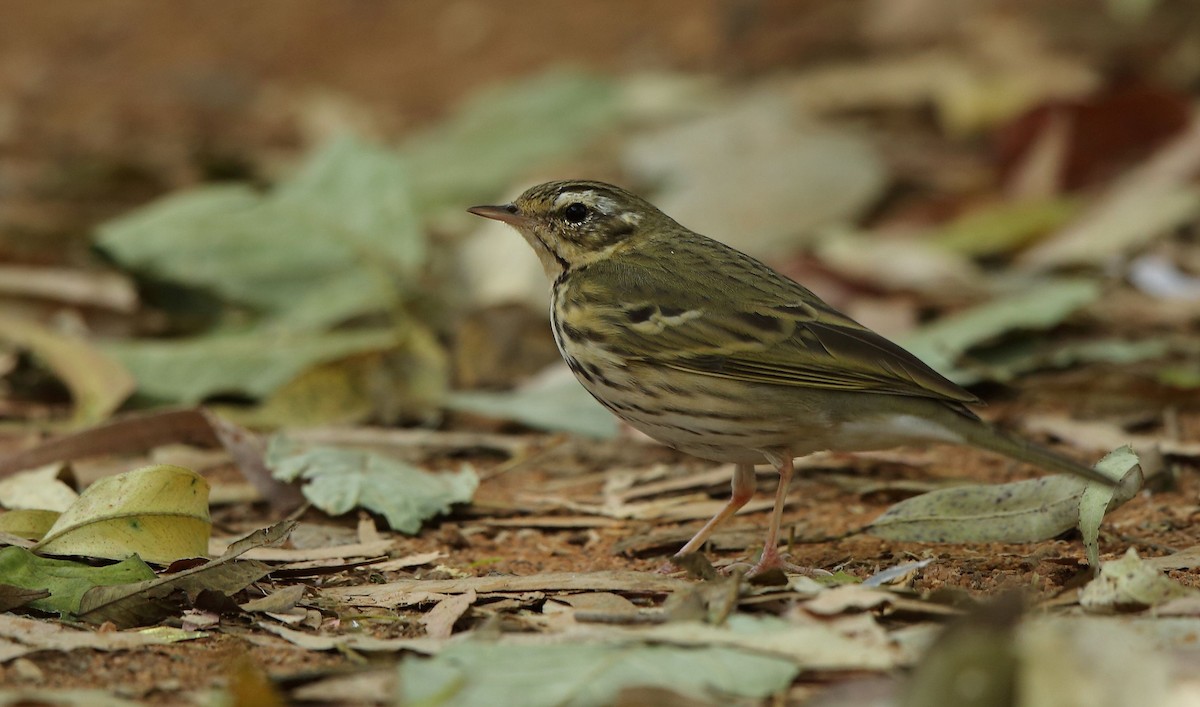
x=710 y=351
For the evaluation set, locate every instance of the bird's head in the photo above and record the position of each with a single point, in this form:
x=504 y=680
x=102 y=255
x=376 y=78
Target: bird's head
x=573 y=223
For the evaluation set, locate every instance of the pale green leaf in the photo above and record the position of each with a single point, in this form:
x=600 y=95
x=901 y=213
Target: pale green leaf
x=1022 y=511
x=329 y=244
x=583 y=675
x=1097 y=499
x=551 y=402
x=502 y=133
x=942 y=343
x=340 y=480
x=253 y=363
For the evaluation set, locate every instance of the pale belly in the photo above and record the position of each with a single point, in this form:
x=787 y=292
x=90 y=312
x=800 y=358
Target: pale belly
x=732 y=421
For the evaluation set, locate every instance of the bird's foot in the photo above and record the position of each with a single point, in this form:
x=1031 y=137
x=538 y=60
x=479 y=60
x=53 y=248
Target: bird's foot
x=772 y=559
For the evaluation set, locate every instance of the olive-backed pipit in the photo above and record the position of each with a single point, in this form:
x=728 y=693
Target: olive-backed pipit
x=710 y=351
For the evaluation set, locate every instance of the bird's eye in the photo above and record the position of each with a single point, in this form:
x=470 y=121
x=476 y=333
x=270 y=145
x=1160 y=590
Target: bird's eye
x=575 y=212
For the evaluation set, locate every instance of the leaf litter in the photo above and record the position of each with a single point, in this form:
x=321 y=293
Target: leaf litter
x=522 y=560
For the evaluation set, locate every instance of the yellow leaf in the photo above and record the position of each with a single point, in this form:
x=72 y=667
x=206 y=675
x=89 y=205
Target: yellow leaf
x=158 y=512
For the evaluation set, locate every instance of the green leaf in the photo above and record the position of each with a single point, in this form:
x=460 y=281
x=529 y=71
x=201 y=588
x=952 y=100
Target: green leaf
x=1022 y=511
x=66 y=581
x=1039 y=306
x=343 y=479
x=1004 y=227
x=555 y=402
x=502 y=133
x=327 y=245
x=1097 y=499
x=253 y=363
x=582 y=675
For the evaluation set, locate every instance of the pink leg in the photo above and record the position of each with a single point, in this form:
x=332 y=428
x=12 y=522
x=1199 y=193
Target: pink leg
x=770 y=555
x=743 y=491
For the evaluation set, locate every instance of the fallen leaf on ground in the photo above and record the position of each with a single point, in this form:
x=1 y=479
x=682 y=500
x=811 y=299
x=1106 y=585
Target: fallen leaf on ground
x=553 y=400
x=31 y=525
x=1021 y=511
x=38 y=489
x=1097 y=499
x=339 y=480
x=439 y=621
x=98 y=383
x=792 y=175
x=147 y=602
x=322 y=247
x=584 y=675
x=66 y=580
x=20 y=636
x=1130 y=584
x=1146 y=203
x=159 y=513
x=387 y=594
x=1038 y=306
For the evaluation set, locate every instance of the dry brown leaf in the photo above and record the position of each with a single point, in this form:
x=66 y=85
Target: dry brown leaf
x=392 y=592
x=19 y=636
x=439 y=621
x=333 y=553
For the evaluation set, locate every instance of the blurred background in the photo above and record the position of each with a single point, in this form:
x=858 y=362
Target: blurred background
x=260 y=205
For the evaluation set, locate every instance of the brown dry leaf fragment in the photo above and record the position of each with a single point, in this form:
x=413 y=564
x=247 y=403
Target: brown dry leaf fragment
x=600 y=602
x=1095 y=435
x=19 y=635
x=1185 y=559
x=388 y=594
x=143 y=603
x=414 y=560
x=415 y=442
x=847 y=598
x=332 y=554
x=12 y=597
x=1145 y=203
x=277 y=602
x=354 y=641
x=439 y=621
x=248 y=451
x=552 y=522
x=106 y=290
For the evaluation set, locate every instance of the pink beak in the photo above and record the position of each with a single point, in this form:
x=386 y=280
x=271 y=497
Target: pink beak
x=505 y=212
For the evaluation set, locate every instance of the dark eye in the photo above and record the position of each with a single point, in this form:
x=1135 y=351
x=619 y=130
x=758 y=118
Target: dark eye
x=575 y=213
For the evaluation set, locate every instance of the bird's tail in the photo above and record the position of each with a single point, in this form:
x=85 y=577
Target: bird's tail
x=982 y=434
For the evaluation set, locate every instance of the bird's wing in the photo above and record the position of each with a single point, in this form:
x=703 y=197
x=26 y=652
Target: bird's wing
x=745 y=323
